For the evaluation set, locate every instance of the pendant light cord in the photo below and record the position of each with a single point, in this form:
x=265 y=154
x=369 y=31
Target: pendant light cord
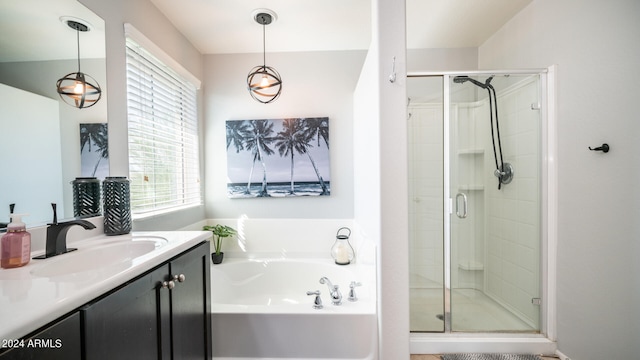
x=264 y=46
x=78 y=42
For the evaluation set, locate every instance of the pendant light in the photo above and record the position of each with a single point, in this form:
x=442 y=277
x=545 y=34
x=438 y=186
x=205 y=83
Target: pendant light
x=264 y=82
x=78 y=89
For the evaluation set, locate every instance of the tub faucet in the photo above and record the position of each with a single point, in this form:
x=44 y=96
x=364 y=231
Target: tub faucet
x=336 y=296
x=56 y=243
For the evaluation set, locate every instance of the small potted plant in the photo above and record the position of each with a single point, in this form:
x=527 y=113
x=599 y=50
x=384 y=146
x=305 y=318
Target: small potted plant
x=219 y=232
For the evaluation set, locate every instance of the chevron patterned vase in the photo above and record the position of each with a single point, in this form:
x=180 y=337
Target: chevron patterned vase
x=86 y=197
x=116 y=206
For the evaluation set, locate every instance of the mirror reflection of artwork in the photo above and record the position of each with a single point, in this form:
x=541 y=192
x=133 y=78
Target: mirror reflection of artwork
x=278 y=157
x=94 y=150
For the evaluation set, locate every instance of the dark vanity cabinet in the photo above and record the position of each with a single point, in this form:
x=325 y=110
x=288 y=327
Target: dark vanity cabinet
x=191 y=305
x=162 y=315
x=130 y=323
x=58 y=341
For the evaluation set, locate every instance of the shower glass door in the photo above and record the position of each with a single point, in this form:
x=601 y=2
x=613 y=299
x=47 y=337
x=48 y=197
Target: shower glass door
x=426 y=203
x=494 y=184
x=474 y=213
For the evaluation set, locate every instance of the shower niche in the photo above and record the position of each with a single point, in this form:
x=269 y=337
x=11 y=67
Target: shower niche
x=474 y=236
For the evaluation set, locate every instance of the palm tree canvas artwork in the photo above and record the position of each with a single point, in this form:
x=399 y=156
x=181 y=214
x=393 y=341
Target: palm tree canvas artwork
x=278 y=157
x=94 y=150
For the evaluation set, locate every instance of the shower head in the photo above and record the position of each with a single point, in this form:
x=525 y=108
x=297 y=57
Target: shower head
x=463 y=78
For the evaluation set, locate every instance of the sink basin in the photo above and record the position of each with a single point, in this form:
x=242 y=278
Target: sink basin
x=104 y=257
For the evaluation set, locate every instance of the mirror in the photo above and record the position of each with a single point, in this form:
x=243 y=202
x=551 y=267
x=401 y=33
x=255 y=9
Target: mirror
x=40 y=147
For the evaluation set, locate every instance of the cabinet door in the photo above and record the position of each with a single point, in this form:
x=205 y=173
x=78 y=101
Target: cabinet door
x=131 y=323
x=190 y=302
x=59 y=341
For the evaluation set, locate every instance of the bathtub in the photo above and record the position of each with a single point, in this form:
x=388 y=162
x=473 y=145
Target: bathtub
x=261 y=310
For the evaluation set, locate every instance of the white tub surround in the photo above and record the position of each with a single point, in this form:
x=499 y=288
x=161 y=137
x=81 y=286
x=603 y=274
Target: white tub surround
x=290 y=238
x=44 y=290
x=260 y=307
x=261 y=310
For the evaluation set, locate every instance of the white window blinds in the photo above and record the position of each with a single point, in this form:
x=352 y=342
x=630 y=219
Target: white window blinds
x=163 y=135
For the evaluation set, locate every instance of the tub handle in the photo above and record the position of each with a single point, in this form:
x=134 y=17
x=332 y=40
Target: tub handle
x=352 y=290
x=317 y=303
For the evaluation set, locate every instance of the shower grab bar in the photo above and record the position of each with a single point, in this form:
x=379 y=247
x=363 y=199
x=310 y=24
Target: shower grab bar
x=464 y=205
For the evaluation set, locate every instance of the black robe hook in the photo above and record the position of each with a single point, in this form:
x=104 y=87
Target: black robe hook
x=604 y=148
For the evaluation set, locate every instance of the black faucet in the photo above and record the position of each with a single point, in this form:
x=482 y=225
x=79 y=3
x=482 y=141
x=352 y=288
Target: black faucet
x=57 y=235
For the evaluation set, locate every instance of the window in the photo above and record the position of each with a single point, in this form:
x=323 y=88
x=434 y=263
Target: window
x=163 y=131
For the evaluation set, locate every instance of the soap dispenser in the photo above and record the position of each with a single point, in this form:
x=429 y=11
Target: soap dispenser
x=15 y=245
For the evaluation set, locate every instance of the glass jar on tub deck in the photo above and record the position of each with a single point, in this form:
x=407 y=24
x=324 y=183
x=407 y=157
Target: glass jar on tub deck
x=342 y=251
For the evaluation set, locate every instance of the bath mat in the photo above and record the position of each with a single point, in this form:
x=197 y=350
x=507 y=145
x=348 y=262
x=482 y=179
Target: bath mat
x=489 y=357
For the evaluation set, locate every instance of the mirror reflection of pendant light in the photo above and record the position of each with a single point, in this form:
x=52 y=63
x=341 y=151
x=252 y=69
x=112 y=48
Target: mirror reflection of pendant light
x=264 y=82
x=78 y=89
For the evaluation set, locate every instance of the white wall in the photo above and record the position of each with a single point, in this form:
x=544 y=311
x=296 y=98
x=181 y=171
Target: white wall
x=30 y=135
x=315 y=84
x=387 y=212
x=433 y=60
x=145 y=17
x=594 y=43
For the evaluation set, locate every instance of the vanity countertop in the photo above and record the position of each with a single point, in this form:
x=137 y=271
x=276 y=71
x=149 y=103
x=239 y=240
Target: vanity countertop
x=33 y=295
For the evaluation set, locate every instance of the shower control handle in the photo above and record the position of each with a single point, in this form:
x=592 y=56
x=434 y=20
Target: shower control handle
x=352 y=290
x=462 y=214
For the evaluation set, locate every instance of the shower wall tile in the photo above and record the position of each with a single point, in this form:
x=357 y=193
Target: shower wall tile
x=528 y=189
x=513 y=241
x=425 y=187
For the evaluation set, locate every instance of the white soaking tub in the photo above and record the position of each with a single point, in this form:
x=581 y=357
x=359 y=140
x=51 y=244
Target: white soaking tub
x=261 y=310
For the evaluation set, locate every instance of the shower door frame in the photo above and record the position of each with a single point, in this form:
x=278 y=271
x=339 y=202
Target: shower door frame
x=426 y=343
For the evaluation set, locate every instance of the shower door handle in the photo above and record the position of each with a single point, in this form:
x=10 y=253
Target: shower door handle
x=462 y=214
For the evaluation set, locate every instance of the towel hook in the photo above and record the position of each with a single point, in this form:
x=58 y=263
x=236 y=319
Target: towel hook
x=604 y=148
x=392 y=77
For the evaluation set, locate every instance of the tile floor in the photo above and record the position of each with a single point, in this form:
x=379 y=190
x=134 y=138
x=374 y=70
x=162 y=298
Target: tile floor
x=473 y=312
x=438 y=357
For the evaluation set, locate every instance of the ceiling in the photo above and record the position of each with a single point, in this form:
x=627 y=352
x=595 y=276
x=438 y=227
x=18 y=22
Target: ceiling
x=34 y=30
x=227 y=26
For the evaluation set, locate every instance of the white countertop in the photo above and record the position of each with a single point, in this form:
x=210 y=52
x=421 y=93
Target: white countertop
x=29 y=301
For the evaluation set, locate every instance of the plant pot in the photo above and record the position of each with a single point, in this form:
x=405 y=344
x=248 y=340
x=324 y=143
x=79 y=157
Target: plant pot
x=217 y=258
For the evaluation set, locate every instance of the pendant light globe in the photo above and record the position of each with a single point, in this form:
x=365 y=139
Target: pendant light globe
x=78 y=89
x=264 y=82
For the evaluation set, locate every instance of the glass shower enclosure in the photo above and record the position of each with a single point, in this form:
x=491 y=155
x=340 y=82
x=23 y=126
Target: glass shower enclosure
x=475 y=202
